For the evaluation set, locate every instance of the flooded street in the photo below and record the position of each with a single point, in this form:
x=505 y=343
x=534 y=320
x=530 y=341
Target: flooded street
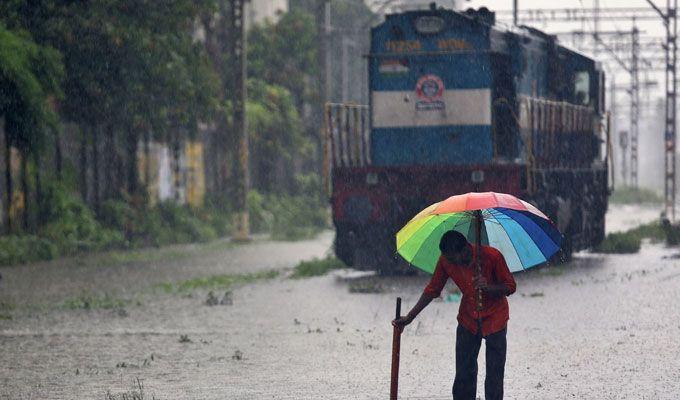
x=601 y=327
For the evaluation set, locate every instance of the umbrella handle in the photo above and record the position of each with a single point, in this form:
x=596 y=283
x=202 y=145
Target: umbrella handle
x=478 y=264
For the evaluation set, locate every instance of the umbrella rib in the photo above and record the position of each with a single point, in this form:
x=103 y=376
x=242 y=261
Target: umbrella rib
x=529 y=218
x=529 y=236
x=443 y=218
x=521 y=264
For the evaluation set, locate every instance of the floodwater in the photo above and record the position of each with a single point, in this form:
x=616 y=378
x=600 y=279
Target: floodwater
x=601 y=327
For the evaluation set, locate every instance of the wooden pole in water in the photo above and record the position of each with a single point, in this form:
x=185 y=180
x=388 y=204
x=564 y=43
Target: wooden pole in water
x=396 y=344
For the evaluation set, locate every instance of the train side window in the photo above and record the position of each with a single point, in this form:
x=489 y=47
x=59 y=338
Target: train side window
x=582 y=88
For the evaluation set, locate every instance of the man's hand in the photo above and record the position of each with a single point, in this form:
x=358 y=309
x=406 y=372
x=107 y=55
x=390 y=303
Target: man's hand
x=401 y=322
x=497 y=290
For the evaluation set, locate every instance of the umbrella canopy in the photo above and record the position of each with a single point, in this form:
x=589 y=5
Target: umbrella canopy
x=521 y=232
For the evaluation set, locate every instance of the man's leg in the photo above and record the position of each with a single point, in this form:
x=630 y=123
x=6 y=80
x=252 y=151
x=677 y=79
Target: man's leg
x=496 y=346
x=467 y=350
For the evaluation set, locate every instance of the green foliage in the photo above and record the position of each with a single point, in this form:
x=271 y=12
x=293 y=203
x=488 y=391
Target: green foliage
x=71 y=226
x=296 y=216
x=29 y=75
x=164 y=224
x=24 y=249
x=629 y=241
x=630 y=195
x=259 y=213
x=302 y=215
x=620 y=242
x=216 y=281
x=90 y=301
x=278 y=145
x=285 y=54
x=653 y=230
x=317 y=267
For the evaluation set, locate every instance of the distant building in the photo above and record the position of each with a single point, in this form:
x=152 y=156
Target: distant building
x=258 y=11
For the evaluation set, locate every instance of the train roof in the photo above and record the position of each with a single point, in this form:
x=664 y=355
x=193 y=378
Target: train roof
x=499 y=34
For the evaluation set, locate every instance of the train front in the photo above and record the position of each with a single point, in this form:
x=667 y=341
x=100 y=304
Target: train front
x=431 y=83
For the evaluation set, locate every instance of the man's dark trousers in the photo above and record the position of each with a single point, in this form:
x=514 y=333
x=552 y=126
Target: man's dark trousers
x=467 y=350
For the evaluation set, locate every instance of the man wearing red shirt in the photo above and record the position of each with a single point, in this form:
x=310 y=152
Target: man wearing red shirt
x=490 y=323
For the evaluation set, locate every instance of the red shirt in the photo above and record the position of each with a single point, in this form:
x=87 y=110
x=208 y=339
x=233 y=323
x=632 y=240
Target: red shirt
x=495 y=311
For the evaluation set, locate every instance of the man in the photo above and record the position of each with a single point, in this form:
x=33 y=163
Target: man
x=496 y=283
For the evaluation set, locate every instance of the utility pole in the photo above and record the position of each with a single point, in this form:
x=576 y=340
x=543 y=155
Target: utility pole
x=239 y=126
x=323 y=19
x=345 y=69
x=671 y=22
x=634 y=106
x=514 y=12
x=347 y=44
x=324 y=37
x=612 y=117
x=596 y=24
x=623 y=144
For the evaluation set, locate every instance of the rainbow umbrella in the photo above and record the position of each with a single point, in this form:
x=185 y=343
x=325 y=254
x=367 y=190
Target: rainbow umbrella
x=522 y=233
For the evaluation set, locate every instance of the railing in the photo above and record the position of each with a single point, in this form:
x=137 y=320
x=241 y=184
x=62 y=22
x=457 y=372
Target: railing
x=346 y=139
x=556 y=134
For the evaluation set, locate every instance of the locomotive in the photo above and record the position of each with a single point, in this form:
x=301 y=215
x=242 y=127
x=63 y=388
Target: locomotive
x=459 y=104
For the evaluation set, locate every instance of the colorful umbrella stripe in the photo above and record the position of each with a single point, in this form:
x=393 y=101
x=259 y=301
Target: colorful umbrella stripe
x=522 y=233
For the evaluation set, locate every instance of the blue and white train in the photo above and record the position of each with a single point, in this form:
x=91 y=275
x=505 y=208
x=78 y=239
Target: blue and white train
x=459 y=104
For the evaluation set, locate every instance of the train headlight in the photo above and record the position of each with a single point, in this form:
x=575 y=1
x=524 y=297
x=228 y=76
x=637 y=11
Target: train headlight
x=371 y=178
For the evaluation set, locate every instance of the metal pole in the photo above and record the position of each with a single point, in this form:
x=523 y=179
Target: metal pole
x=514 y=12
x=671 y=22
x=327 y=50
x=634 y=106
x=345 y=69
x=612 y=119
x=240 y=130
x=323 y=15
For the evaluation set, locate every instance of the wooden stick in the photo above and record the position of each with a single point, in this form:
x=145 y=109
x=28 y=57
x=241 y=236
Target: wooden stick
x=396 y=344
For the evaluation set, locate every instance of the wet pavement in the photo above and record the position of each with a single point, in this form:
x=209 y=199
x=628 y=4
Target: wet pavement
x=601 y=327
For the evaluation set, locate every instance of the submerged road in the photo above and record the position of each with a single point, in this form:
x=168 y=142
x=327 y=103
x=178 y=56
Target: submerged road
x=601 y=327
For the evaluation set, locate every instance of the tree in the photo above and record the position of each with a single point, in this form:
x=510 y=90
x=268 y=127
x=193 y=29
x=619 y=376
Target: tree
x=284 y=54
x=29 y=78
x=132 y=66
x=277 y=141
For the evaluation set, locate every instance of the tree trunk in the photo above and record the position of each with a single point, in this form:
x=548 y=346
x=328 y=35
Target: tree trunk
x=110 y=163
x=8 y=183
x=83 y=166
x=57 y=154
x=119 y=170
x=147 y=160
x=176 y=166
x=24 y=190
x=95 y=168
x=132 y=143
x=38 y=190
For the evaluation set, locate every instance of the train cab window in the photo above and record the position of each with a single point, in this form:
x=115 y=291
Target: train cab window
x=582 y=88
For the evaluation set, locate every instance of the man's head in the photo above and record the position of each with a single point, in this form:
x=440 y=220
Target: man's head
x=455 y=248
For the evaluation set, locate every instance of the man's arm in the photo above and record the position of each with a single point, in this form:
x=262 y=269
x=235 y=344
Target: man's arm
x=432 y=291
x=423 y=301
